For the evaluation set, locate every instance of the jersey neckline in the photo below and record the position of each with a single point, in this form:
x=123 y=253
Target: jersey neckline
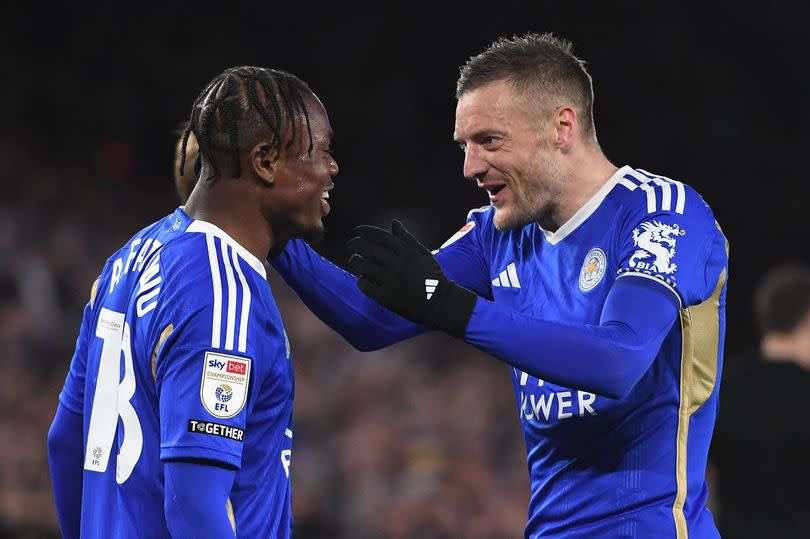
x=198 y=225
x=587 y=209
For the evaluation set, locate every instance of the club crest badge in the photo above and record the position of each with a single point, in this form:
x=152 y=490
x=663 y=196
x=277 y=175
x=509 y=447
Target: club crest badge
x=593 y=269
x=224 y=386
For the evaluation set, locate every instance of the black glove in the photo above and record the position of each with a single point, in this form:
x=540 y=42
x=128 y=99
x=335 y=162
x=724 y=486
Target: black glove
x=401 y=274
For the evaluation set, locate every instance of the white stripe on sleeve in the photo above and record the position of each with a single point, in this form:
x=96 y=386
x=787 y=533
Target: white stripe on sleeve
x=243 y=321
x=231 y=327
x=217 y=283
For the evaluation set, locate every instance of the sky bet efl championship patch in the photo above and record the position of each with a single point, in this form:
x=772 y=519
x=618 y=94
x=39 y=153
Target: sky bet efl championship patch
x=224 y=384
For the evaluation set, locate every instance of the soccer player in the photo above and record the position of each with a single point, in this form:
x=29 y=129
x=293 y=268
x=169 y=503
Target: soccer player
x=175 y=418
x=603 y=288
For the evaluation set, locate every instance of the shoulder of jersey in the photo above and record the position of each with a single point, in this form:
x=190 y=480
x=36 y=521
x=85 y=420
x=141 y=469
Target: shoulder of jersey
x=201 y=255
x=641 y=192
x=480 y=215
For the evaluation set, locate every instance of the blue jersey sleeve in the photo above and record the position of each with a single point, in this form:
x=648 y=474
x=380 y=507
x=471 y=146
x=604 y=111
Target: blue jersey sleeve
x=462 y=256
x=674 y=241
x=196 y=500
x=606 y=358
x=204 y=363
x=72 y=395
x=332 y=294
x=65 y=461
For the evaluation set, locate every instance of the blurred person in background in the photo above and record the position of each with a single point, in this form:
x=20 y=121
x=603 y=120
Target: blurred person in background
x=205 y=397
x=762 y=439
x=603 y=287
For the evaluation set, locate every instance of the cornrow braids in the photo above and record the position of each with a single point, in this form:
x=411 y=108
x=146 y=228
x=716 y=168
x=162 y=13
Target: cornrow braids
x=238 y=103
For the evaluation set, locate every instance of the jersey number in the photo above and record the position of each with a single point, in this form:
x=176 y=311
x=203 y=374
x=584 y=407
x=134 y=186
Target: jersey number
x=112 y=400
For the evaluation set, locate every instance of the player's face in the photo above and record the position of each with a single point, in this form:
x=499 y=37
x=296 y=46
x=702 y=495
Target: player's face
x=304 y=178
x=508 y=152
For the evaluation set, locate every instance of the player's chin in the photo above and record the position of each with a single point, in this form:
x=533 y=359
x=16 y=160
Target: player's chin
x=505 y=218
x=509 y=217
x=315 y=233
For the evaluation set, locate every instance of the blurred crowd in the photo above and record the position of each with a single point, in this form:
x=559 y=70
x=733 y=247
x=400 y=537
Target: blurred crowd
x=421 y=440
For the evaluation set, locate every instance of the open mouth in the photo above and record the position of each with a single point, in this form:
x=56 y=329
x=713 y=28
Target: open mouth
x=493 y=189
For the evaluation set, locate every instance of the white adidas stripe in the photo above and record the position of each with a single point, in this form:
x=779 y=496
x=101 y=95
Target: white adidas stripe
x=243 y=322
x=231 y=325
x=513 y=278
x=507 y=278
x=217 y=283
x=650 y=184
x=430 y=287
x=230 y=259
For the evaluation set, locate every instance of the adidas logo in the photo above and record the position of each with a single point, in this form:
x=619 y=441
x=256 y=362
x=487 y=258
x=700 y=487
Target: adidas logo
x=508 y=278
x=430 y=287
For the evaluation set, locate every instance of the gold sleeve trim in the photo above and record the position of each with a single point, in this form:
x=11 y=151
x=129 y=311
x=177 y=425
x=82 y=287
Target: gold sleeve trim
x=163 y=336
x=231 y=516
x=700 y=329
x=93 y=292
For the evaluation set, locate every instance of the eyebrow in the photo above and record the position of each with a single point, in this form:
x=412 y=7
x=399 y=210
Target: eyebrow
x=478 y=134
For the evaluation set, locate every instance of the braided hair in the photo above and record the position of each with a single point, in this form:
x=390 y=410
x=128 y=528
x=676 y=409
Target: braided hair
x=240 y=103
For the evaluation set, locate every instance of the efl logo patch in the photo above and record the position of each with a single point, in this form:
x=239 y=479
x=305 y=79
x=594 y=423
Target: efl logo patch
x=458 y=235
x=224 y=384
x=593 y=269
x=216 y=429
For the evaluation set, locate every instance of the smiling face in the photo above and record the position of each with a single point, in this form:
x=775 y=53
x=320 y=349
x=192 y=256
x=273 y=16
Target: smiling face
x=509 y=151
x=303 y=178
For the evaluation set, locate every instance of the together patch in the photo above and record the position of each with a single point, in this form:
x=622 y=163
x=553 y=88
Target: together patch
x=216 y=429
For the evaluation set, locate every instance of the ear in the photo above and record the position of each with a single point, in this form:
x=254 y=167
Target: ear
x=566 y=125
x=263 y=162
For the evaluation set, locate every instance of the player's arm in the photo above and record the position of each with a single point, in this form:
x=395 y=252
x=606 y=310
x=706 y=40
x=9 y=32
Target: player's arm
x=194 y=343
x=65 y=436
x=196 y=499
x=65 y=462
x=606 y=358
x=332 y=294
x=199 y=467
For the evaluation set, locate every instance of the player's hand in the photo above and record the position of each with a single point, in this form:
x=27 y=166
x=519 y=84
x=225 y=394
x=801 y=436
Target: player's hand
x=400 y=273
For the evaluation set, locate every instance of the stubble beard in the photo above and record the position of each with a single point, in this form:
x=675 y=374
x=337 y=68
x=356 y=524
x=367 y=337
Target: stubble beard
x=535 y=202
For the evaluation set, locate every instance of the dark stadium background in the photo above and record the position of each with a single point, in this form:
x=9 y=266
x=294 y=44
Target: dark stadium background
x=421 y=440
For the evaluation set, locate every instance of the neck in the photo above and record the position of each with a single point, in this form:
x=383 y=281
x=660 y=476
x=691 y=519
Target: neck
x=790 y=347
x=588 y=171
x=226 y=203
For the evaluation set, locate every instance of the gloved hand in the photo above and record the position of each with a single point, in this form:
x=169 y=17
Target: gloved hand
x=397 y=271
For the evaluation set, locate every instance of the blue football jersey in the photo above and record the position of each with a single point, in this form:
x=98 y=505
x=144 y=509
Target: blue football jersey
x=182 y=355
x=599 y=467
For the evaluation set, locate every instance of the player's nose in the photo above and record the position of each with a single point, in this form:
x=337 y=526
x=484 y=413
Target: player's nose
x=474 y=166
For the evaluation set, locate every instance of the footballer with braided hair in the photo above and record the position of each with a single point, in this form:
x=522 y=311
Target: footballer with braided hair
x=175 y=418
